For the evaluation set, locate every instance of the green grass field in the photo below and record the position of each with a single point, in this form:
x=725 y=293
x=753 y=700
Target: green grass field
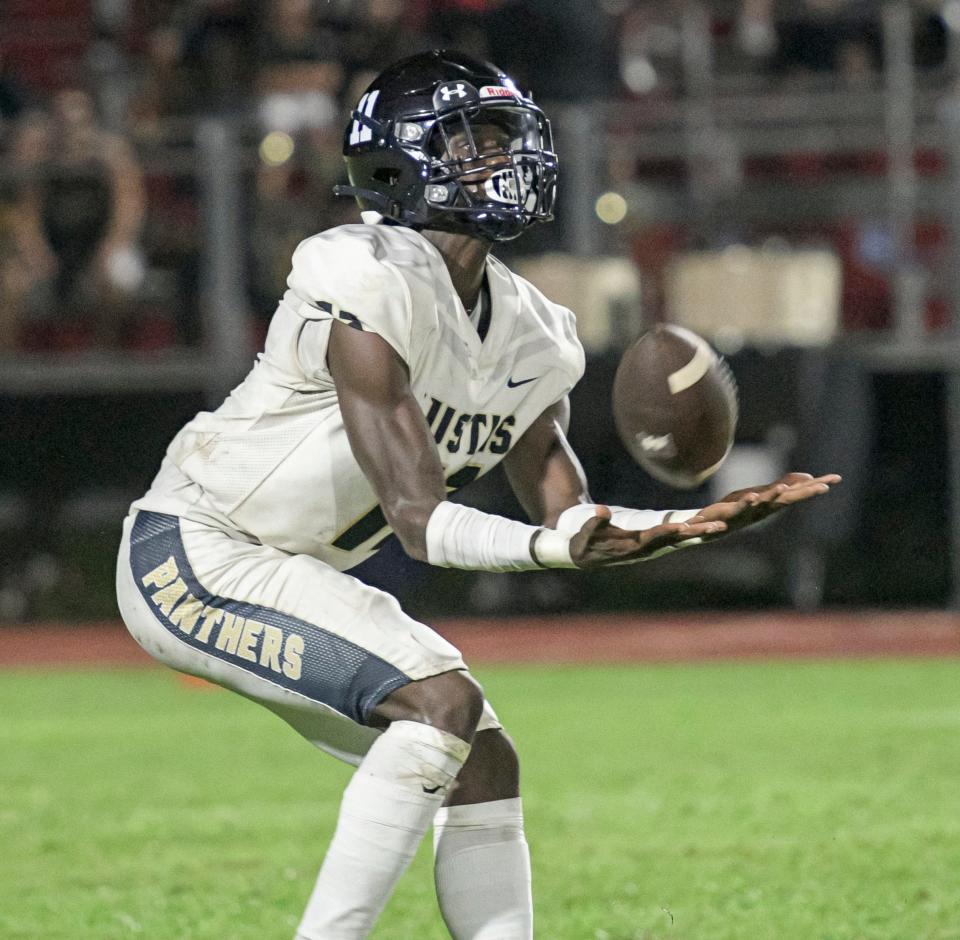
x=703 y=802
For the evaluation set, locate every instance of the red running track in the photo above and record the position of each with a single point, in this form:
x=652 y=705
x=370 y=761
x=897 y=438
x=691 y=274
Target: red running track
x=580 y=638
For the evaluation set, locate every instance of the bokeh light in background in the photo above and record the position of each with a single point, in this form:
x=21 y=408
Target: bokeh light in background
x=611 y=208
x=276 y=148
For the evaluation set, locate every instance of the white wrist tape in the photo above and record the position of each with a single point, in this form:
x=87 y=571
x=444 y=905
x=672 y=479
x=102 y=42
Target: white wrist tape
x=461 y=537
x=571 y=520
x=634 y=520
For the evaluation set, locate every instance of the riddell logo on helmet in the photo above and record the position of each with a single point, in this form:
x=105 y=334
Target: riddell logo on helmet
x=497 y=91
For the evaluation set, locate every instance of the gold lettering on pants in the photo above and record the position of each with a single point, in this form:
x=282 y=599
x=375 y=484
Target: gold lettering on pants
x=292 y=652
x=248 y=639
x=229 y=634
x=211 y=618
x=162 y=575
x=270 y=648
x=187 y=614
x=167 y=597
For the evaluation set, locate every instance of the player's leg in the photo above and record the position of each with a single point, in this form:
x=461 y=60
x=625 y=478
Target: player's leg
x=245 y=616
x=482 y=863
x=391 y=801
x=492 y=772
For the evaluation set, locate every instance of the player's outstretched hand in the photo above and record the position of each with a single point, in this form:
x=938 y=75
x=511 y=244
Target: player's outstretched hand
x=599 y=543
x=754 y=504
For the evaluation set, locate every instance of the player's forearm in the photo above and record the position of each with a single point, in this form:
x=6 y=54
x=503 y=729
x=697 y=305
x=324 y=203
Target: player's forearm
x=407 y=479
x=543 y=470
x=409 y=519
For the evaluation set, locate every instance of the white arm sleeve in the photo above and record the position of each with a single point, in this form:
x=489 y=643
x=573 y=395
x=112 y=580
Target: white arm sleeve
x=461 y=537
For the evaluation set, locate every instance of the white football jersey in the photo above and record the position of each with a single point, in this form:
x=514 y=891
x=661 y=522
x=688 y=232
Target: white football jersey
x=273 y=463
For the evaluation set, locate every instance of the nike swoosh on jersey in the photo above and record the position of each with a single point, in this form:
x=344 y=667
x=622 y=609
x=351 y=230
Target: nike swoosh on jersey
x=512 y=384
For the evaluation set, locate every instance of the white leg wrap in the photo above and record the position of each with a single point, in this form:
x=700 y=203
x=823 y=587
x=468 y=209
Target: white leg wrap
x=482 y=871
x=386 y=809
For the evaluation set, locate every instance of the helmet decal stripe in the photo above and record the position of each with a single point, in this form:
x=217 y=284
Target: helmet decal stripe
x=363 y=133
x=355 y=127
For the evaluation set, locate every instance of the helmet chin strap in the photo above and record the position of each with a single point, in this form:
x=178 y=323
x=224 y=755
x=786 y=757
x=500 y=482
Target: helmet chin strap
x=495 y=229
x=385 y=205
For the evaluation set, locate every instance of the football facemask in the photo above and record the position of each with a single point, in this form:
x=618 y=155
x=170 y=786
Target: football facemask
x=493 y=169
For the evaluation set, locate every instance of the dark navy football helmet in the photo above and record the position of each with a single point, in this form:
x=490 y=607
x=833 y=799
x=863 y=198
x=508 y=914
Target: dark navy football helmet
x=444 y=141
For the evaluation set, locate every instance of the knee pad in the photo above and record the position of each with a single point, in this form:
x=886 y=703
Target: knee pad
x=419 y=757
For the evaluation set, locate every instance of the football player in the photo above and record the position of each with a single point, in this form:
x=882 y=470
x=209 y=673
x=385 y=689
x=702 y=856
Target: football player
x=403 y=361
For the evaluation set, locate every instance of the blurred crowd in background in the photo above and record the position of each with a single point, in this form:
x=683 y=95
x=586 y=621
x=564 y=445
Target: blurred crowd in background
x=98 y=220
x=760 y=135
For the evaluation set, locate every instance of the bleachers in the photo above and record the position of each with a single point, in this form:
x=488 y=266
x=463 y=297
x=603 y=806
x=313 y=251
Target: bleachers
x=46 y=41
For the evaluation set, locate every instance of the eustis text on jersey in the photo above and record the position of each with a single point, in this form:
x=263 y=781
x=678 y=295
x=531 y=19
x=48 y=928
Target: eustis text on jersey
x=473 y=433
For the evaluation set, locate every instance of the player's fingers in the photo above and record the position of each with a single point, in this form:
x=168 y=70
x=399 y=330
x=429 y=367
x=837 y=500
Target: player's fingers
x=595 y=531
x=734 y=510
x=699 y=529
x=672 y=539
x=750 y=493
x=797 y=494
x=724 y=511
x=817 y=484
x=800 y=493
x=675 y=532
x=771 y=494
x=805 y=488
x=794 y=479
x=771 y=499
x=595 y=538
x=597 y=523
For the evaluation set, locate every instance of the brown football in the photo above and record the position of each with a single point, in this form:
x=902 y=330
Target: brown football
x=675 y=406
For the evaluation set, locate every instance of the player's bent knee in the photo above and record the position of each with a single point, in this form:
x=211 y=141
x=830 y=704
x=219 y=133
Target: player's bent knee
x=492 y=771
x=452 y=702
